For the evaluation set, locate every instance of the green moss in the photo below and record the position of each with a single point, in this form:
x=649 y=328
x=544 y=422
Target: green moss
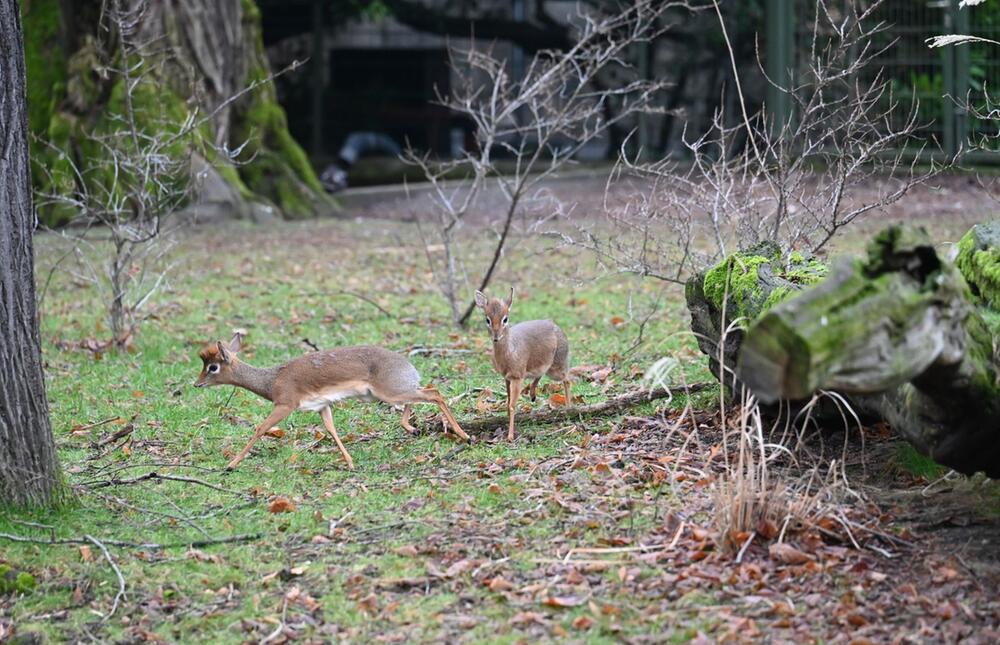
x=803 y=271
x=979 y=263
x=739 y=276
x=991 y=318
x=15 y=582
x=777 y=295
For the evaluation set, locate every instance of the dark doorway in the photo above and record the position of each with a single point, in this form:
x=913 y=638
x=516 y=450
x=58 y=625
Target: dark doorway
x=389 y=91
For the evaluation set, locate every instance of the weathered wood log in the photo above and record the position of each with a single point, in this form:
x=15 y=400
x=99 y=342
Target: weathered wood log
x=905 y=326
x=724 y=299
x=574 y=413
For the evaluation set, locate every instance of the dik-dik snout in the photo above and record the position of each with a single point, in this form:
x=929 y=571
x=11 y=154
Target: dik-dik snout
x=497 y=312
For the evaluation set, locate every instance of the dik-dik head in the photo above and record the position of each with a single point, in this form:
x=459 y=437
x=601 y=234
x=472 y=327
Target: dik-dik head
x=496 y=311
x=218 y=360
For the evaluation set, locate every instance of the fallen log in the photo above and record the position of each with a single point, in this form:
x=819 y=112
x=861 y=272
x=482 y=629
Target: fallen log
x=569 y=414
x=904 y=327
x=733 y=293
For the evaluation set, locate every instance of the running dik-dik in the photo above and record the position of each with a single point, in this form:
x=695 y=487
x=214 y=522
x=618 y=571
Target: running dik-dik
x=525 y=351
x=318 y=380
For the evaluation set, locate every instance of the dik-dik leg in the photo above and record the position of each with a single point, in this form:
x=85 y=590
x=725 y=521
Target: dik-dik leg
x=405 y=420
x=427 y=394
x=328 y=422
x=513 y=394
x=531 y=390
x=278 y=414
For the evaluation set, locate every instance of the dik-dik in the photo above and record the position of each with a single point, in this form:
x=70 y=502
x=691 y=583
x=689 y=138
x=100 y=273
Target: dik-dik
x=318 y=380
x=526 y=351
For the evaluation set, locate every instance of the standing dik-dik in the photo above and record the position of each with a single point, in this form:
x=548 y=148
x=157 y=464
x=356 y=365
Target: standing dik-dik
x=317 y=380
x=525 y=351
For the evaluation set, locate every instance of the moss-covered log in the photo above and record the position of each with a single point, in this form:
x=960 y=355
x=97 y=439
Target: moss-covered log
x=206 y=51
x=911 y=333
x=737 y=290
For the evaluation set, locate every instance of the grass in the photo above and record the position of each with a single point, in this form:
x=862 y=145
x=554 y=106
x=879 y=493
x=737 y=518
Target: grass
x=907 y=459
x=413 y=505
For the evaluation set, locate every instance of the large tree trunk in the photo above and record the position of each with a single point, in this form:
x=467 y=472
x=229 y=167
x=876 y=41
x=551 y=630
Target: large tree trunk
x=204 y=51
x=902 y=333
x=29 y=470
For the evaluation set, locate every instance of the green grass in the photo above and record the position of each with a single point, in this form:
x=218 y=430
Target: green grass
x=907 y=459
x=494 y=503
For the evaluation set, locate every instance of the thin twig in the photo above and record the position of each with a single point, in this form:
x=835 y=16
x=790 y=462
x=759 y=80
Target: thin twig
x=156 y=475
x=152 y=546
x=118 y=572
x=746 y=545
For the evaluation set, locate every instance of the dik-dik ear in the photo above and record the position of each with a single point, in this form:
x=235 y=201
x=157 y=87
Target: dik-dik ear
x=480 y=300
x=224 y=353
x=510 y=299
x=236 y=344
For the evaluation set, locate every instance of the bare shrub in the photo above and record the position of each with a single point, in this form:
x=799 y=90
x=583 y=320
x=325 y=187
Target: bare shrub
x=753 y=177
x=540 y=122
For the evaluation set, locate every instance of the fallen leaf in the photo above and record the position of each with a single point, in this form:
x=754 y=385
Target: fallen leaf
x=557 y=399
x=562 y=601
x=856 y=619
x=527 y=617
x=407 y=550
x=482 y=402
x=281 y=505
x=499 y=584
x=601 y=375
x=277 y=433
x=85 y=553
x=767 y=529
x=617 y=321
x=459 y=568
x=582 y=622
x=788 y=554
x=369 y=604
x=197 y=554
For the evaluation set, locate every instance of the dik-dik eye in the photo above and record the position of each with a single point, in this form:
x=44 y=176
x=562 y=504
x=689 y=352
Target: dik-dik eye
x=504 y=320
x=213 y=368
x=488 y=322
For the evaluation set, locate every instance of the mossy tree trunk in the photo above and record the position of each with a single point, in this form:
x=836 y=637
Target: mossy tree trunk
x=29 y=470
x=903 y=333
x=206 y=52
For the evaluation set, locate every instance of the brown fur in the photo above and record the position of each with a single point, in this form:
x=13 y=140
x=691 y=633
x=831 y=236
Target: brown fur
x=317 y=380
x=525 y=351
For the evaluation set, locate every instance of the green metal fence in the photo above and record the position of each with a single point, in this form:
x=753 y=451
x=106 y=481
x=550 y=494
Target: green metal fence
x=945 y=81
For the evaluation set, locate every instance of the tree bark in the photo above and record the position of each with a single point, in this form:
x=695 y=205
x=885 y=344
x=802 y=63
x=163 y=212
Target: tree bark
x=29 y=469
